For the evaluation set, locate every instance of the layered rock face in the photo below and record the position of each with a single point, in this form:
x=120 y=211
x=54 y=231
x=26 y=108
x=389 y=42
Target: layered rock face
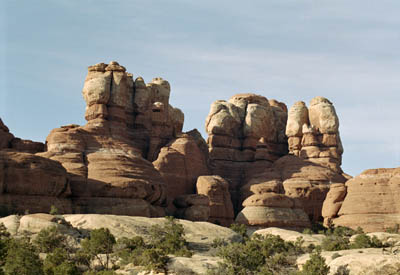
x=248 y=147
x=369 y=200
x=8 y=141
x=288 y=194
x=261 y=164
x=26 y=180
x=245 y=129
x=216 y=189
x=106 y=157
x=180 y=163
x=313 y=133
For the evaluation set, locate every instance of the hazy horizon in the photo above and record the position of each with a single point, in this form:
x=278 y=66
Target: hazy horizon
x=346 y=51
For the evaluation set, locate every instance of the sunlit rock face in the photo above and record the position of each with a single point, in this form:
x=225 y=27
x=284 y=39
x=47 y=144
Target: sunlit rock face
x=369 y=200
x=110 y=157
x=279 y=164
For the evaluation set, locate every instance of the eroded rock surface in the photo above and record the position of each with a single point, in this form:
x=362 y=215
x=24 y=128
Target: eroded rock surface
x=245 y=129
x=8 y=141
x=369 y=200
x=216 y=189
x=313 y=133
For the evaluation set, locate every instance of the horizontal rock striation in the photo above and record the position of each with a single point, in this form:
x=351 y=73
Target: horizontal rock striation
x=369 y=201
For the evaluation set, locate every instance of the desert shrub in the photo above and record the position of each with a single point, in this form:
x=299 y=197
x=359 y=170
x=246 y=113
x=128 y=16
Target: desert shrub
x=335 y=243
x=365 y=241
x=257 y=255
x=342 y=270
x=101 y=241
x=341 y=231
x=307 y=231
x=59 y=262
x=170 y=238
x=154 y=259
x=53 y=210
x=318 y=228
x=4 y=244
x=335 y=255
x=22 y=258
x=394 y=230
x=49 y=239
x=218 y=242
x=102 y=272
x=315 y=265
x=240 y=229
x=164 y=239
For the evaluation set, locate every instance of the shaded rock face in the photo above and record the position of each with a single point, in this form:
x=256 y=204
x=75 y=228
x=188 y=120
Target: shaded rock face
x=193 y=207
x=8 y=141
x=34 y=183
x=180 y=163
x=216 y=189
x=245 y=129
x=369 y=201
x=313 y=133
x=289 y=194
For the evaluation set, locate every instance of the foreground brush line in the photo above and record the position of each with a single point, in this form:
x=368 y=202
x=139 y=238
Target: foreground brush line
x=108 y=244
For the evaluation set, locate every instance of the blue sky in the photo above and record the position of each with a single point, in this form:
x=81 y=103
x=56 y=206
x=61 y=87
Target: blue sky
x=289 y=50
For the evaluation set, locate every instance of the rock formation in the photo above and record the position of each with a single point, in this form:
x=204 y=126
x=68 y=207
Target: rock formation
x=245 y=129
x=313 y=133
x=369 y=201
x=180 y=163
x=193 y=207
x=217 y=191
x=261 y=165
x=108 y=161
x=8 y=141
x=248 y=146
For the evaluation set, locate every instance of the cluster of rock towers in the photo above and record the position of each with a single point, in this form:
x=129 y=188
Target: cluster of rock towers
x=261 y=165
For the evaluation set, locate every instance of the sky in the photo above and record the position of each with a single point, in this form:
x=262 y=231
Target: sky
x=289 y=50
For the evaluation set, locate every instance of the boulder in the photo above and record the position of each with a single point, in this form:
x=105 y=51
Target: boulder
x=313 y=133
x=193 y=207
x=217 y=191
x=291 y=182
x=264 y=216
x=369 y=201
x=180 y=163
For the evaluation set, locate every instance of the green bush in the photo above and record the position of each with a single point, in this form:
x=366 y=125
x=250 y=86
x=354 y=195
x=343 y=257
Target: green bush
x=101 y=241
x=170 y=238
x=257 y=255
x=4 y=244
x=335 y=243
x=154 y=259
x=22 y=258
x=53 y=210
x=241 y=229
x=59 y=263
x=364 y=241
x=315 y=265
x=49 y=239
x=394 y=230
